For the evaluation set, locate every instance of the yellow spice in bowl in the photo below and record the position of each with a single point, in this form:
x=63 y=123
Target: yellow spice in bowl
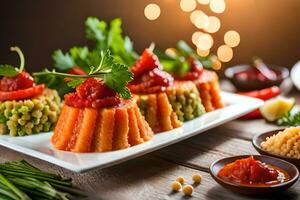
x=284 y=143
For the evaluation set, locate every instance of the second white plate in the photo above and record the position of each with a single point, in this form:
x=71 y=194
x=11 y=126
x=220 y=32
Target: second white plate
x=39 y=146
x=295 y=75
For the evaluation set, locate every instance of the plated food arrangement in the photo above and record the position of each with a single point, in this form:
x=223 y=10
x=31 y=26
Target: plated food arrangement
x=101 y=114
x=106 y=104
x=97 y=118
x=106 y=98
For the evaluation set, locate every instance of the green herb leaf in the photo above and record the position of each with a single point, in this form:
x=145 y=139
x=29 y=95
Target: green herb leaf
x=110 y=37
x=53 y=82
x=179 y=62
x=118 y=79
x=100 y=62
x=185 y=49
x=62 y=61
x=290 y=120
x=114 y=36
x=75 y=82
x=80 y=55
x=96 y=31
x=8 y=70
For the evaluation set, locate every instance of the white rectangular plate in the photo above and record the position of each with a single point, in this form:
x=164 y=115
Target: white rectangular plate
x=39 y=145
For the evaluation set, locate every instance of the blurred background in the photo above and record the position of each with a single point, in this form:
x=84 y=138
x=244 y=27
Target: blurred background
x=268 y=29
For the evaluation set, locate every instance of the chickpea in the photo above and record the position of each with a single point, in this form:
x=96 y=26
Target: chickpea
x=176 y=186
x=180 y=179
x=197 y=178
x=188 y=190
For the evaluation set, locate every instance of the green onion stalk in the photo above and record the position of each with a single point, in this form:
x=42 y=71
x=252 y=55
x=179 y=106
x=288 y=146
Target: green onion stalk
x=22 y=181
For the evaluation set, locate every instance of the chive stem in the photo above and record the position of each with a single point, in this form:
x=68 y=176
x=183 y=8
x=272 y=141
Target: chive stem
x=21 y=56
x=11 y=186
x=7 y=192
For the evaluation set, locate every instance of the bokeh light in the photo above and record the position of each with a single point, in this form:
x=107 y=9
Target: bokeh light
x=232 y=38
x=225 y=53
x=194 y=15
x=204 y=2
x=204 y=42
x=216 y=63
x=214 y=24
x=172 y=52
x=217 y=6
x=202 y=21
x=188 y=5
x=195 y=37
x=203 y=53
x=152 y=11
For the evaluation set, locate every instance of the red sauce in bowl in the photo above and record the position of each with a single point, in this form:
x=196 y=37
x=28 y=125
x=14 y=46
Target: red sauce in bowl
x=253 y=74
x=248 y=78
x=249 y=171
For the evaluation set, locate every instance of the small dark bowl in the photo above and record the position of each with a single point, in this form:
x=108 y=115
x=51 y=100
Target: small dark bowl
x=258 y=139
x=254 y=190
x=246 y=85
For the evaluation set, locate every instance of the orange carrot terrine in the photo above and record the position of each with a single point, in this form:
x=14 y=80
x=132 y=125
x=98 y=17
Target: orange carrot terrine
x=90 y=129
x=100 y=115
x=161 y=100
x=210 y=93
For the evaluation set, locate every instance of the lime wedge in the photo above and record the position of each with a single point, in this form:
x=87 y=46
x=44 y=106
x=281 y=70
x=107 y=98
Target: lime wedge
x=276 y=108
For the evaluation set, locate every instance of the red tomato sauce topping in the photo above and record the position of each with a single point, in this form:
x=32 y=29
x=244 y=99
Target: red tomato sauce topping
x=196 y=70
x=21 y=81
x=148 y=77
x=249 y=171
x=92 y=93
x=21 y=86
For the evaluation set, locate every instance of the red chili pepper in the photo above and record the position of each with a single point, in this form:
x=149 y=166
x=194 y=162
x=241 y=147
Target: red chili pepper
x=253 y=115
x=77 y=71
x=263 y=94
x=22 y=94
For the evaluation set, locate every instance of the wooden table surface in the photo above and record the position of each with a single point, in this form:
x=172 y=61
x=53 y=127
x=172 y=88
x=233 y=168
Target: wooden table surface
x=149 y=176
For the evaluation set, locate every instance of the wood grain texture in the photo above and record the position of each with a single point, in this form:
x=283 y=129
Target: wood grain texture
x=145 y=178
x=149 y=177
x=200 y=151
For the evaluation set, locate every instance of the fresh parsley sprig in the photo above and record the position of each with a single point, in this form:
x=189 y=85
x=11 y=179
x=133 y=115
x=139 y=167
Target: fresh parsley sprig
x=104 y=36
x=178 y=62
x=11 y=71
x=115 y=75
x=290 y=120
